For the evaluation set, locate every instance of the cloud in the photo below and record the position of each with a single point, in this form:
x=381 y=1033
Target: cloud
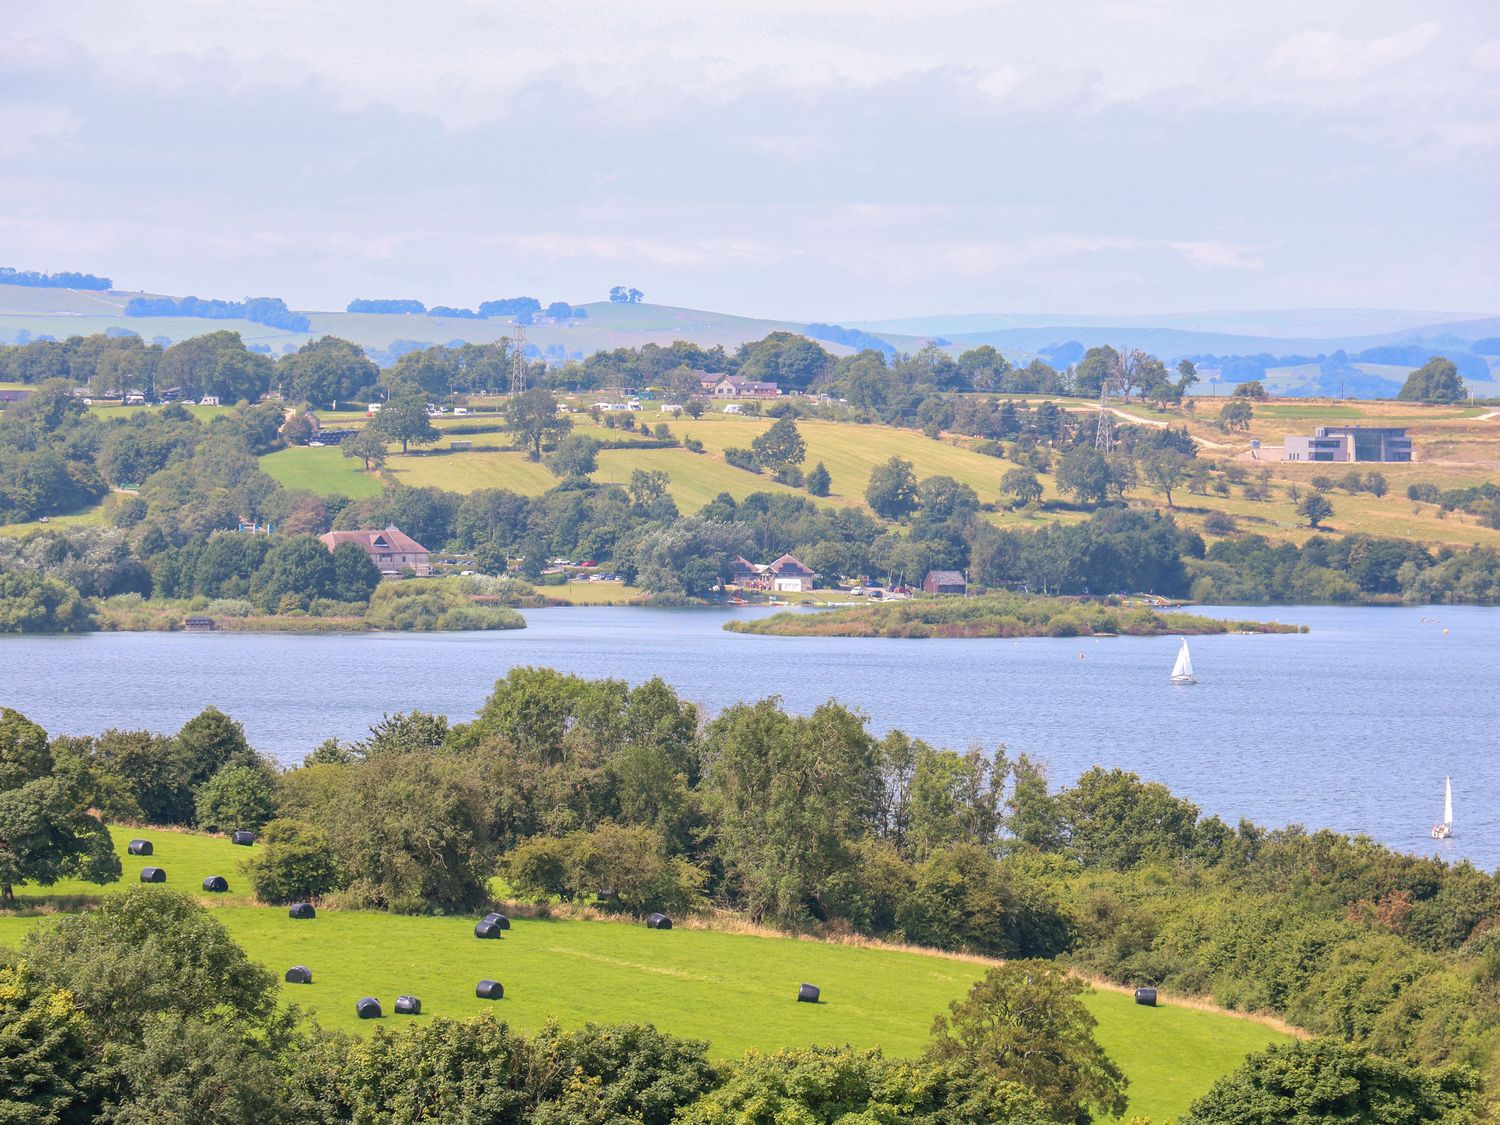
x=1487 y=55
x=1226 y=255
x=1326 y=56
x=24 y=127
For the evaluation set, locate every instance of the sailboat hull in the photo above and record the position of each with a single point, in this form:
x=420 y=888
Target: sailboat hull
x=1184 y=680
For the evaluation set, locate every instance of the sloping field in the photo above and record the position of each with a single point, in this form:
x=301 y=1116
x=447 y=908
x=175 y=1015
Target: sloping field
x=735 y=990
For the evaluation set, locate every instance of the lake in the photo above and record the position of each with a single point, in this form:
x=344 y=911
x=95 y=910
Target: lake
x=1351 y=726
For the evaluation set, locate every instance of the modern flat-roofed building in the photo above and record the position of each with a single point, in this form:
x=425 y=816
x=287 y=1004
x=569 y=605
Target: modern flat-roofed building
x=1349 y=443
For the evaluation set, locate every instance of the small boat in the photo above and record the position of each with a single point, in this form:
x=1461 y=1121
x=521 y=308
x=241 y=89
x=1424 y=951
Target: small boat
x=1182 y=671
x=1445 y=830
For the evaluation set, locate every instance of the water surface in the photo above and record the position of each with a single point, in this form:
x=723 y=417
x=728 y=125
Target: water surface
x=1352 y=725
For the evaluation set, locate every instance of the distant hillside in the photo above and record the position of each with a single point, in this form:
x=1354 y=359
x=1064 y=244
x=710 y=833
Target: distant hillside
x=1300 y=357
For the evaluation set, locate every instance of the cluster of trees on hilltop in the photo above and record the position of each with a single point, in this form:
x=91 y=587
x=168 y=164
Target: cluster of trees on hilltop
x=36 y=280
x=566 y=785
x=270 y=311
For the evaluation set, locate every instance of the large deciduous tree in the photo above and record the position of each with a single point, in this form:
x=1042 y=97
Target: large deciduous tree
x=533 y=422
x=780 y=446
x=1437 y=380
x=892 y=491
x=404 y=418
x=1024 y=1023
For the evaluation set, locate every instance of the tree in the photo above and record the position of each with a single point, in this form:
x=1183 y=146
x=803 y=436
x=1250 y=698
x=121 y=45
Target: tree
x=368 y=445
x=293 y=862
x=1236 y=414
x=404 y=418
x=577 y=455
x=33 y=603
x=532 y=420
x=892 y=491
x=819 y=483
x=1113 y=820
x=235 y=798
x=790 y=794
x=1437 y=380
x=210 y=741
x=1314 y=508
x=1187 y=375
x=1328 y=1083
x=1087 y=474
x=47 y=834
x=1024 y=1023
x=325 y=371
x=1022 y=486
x=47 y=1064
x=355 y=576
x=1167 y=470
x=299 y=567
x=788 y=359
x=149 y=952
x=780 y=446
x=1253 y=389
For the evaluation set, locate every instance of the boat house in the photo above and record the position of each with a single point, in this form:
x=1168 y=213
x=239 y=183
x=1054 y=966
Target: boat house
x=945 y=582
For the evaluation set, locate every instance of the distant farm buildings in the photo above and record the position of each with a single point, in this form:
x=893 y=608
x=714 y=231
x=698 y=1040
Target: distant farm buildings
x=391 y=550
x=1350 y=443
x=784 y=576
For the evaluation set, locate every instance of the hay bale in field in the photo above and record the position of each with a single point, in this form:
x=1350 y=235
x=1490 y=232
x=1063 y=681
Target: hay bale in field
x=408 y=1006
x=486 y=930
x=299 y=974
x=302 y=910
x=499 y=921
x=367 y=1008
x=153 y=875
x=489 y=990
x=216 y=884
x=658 y=922
x=807 y=994
x=141 y=847
x=1146 y=996
x=244 y=839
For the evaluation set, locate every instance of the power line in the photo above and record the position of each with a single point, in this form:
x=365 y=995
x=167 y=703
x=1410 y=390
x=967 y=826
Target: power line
x=518 y=360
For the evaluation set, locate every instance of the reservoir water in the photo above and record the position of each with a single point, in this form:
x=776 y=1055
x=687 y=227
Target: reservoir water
x=1351 y=726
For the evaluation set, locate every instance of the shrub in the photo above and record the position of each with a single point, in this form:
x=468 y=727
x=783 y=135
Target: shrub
x=742 y=459
x=1219 y=523
x=234 y=798
x=294 y=862
x=230 y=607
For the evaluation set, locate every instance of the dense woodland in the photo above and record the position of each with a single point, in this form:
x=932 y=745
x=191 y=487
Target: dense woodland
x=809 y=823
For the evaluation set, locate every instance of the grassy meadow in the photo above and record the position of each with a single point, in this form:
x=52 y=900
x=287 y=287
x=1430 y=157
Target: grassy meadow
x=736 y=990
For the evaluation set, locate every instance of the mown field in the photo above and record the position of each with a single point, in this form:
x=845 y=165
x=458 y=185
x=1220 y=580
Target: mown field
x=736 y=990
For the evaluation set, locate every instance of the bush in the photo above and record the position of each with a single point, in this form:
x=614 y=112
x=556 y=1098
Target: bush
x=329 y=607
x=742 y=459
x=237 y=797
x=294 y=862
x=1219 y=523
x=230 y=607
x=692 y=445
x=631 y=862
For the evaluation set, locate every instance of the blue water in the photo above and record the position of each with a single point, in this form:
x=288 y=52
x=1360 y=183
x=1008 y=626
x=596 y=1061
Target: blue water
x=1351 y=726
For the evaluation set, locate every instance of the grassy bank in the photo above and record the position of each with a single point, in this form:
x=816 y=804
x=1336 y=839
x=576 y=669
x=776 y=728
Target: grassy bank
x=996 y=615
x=736 y=990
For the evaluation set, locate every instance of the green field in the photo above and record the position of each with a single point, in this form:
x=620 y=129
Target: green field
x=735 y=990
x=321 y=469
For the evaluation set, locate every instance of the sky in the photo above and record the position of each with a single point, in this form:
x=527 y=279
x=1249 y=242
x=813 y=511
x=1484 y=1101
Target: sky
x=848 y=160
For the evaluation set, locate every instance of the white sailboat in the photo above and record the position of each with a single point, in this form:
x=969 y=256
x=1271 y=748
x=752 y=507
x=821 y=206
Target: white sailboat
x=1445 y=830
x=1182 y=671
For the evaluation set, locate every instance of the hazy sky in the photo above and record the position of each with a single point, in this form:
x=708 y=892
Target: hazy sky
x=842 y=160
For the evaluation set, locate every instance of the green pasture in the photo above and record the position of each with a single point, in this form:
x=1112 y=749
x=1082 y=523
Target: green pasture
x=735 y=990
x=321 y=469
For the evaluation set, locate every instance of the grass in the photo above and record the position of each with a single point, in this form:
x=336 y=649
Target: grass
x=321 y=469
x=593 y=593
x=89 y=517
x=735 y=990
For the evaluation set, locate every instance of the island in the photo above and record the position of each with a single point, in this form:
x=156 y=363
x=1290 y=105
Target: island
x=999 y=615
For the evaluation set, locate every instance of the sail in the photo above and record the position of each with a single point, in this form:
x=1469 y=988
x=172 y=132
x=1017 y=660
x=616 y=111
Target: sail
x=1448 y=802
x=1184 y=665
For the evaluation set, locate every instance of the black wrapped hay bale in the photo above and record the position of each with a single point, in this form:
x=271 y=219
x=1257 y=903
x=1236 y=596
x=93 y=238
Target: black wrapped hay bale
x=807 y=994
x=299 y=974
x=1146 y=996
x=658 y=922
x=367 y=1008
x=489 y=990
x=245 y=839
x=408 y=1006
x=141 y=847
x=486 y=930
x=153 y=875
x=302 y=910
x=216 y=884
x=499 y=921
